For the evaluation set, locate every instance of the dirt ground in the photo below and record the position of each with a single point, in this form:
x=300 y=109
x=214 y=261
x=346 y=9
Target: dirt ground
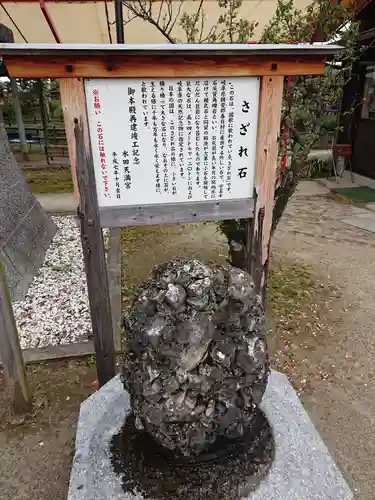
x=341 y=402
x=36 y=450
x=321 y=335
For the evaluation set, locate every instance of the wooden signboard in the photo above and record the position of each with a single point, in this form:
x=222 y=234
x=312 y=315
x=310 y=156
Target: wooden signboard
x=166 y=134
x=176 y=143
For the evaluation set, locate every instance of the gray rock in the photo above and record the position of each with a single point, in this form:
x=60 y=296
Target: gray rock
x=302 y=469
x=175 y=295
x=25 y=230
x=197 y=337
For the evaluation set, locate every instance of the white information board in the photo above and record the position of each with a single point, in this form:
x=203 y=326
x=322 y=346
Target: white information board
x=172 y=141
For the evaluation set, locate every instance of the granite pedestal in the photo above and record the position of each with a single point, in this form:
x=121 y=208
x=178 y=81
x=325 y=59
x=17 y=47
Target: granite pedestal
x=303 y=469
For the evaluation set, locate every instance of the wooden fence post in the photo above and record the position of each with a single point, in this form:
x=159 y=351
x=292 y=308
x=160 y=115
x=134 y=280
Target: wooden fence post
x=259 y=230
x=94 y=255
x=10 y=351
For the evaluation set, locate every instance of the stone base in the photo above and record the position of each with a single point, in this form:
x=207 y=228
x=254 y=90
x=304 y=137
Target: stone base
x=303 y=469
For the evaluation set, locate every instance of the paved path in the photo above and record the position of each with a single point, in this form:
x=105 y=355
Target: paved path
x=66 y=203
x=363 y=218
x=58 y=202
x=337 y=183
x=311 y=188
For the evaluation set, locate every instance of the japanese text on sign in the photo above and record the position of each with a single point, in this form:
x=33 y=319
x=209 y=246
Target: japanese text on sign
x=173 y=140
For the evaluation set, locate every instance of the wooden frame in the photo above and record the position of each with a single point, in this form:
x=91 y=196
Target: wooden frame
x=93 y=248
x=171 y=67
x=173 y=213
x=72 y=63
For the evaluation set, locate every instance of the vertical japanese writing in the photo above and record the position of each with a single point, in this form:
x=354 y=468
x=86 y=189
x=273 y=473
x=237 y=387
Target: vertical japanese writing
x=144 y=104
x=222 y=140
x=242 y=152
x=197 y=92
x=205 y=138
x=96 y=101
x=126 y=164
x=230 y=138
x=180 y=118
x=155 y=136
x=133 y=126
x=189 y=128
x=214 y=139
x=163 y=123
x=100 y=143
x=181 y=139
x=172 y=129
x=116 y=174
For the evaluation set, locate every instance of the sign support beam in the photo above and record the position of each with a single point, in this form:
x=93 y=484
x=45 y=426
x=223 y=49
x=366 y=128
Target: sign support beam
x=93 y=245
x=259 y=236
x=68 y=93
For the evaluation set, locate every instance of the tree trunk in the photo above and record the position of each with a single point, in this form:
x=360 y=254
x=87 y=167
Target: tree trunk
x=43 y=113
x=19 y=120
x=237 y=252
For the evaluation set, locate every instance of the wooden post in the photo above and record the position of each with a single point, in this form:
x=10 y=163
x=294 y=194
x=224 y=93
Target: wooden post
x=69 y=101
x=10 y=351
x=92 y=241
x=68 y=105
x=114 y=282
x=259 y=229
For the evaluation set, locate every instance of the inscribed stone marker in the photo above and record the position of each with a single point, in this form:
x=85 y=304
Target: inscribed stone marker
x=25 y=230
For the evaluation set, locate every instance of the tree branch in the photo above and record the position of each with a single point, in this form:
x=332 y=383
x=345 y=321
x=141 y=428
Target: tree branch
x=143 y=10
x=160 y=10
x=176 y=16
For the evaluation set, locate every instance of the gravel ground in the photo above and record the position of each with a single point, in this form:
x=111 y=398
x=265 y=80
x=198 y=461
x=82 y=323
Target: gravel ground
x=56 y=307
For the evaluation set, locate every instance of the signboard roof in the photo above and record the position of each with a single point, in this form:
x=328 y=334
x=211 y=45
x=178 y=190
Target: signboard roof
x=300 y=49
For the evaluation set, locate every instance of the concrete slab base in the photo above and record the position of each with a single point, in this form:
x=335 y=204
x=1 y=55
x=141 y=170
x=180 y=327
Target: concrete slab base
x=303 y=469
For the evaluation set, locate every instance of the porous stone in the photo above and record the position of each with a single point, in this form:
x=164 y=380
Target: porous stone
x=196 y=365
x=302 y=467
